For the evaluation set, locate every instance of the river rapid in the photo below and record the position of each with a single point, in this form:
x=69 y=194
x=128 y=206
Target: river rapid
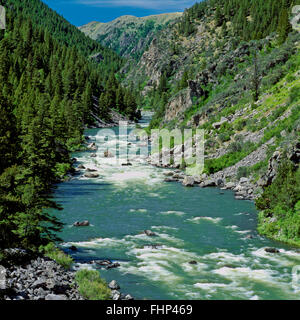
x=191 y=224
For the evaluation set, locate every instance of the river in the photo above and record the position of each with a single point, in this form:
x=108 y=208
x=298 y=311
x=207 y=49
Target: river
x=192 y=224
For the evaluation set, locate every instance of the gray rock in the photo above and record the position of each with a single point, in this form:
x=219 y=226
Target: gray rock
x=217 y=125
x=81 y=224
x=3 y=282
x=169 y=174
x=244 y=180
x=116 y=295
x=220 y=182
x=56 y=297
x=272 y=250
x=113 y=285
x=209 y=183
x=197 y=179
x=188 y=181
x=128 y=297
x=91 y=175
x=149 y=233
x=39 y=283
x=90 y=170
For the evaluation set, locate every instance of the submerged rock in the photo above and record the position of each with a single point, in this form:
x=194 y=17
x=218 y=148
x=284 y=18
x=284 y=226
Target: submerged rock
x=168 y=174
x=149 y=233
x=272 y=250
x=92 y=146
x=91 y=175
x=81 y=224
x=108 y=154
x=91 y=170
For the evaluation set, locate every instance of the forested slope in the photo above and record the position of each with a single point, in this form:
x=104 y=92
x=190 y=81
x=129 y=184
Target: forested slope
x=48 y=87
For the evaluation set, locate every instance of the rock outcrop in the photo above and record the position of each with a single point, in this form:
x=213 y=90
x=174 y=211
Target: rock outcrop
x=33 y=277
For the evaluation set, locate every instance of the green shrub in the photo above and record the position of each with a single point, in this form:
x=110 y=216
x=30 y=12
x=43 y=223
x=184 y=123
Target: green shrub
x=235 y=147
x=91 y=286
x=224 y=137
x=61 y=169
x=281 y=202
x=294 y=94
x=240 y=124
x=52 y=252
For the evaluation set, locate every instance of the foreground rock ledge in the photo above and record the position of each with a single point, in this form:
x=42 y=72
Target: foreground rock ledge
x=38 y=278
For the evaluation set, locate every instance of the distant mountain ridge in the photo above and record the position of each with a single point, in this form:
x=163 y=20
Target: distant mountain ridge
x=128 y=35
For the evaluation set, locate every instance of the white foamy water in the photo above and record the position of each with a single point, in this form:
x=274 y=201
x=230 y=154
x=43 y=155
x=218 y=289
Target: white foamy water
x=199 y=219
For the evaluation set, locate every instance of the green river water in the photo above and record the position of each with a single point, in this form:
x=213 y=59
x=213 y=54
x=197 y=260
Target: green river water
x=205 y=225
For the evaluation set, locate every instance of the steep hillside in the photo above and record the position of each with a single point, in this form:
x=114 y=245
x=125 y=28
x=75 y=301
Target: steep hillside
x=232 y=69
x=129 y=36
x=48 y=93
x=64 y=32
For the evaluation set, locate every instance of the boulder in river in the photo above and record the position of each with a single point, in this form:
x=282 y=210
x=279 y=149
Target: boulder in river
x=81 y=166
x=272 y=250
x=126 y=164
x=153 y=246
x=93 y=155
x=113 y=285
x=112 y=266
x=170 y=180
x=188 y=181
x=104 y=262
x=92 y=146
x=169 y=174
x=81 y=224
x=149 y=233
x=193 y=262
x=108 y=154
x=209 y=183
x=91 y=175
x=91 y=170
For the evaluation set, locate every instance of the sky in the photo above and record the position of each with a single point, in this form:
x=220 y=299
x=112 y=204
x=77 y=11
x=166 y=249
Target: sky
x=80 y=12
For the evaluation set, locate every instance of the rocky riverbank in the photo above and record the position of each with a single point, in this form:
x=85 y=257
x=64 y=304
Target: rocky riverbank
x=27 y=276
x=245 y=188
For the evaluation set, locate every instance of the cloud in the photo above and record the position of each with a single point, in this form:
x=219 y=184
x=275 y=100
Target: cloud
x=145 y=4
